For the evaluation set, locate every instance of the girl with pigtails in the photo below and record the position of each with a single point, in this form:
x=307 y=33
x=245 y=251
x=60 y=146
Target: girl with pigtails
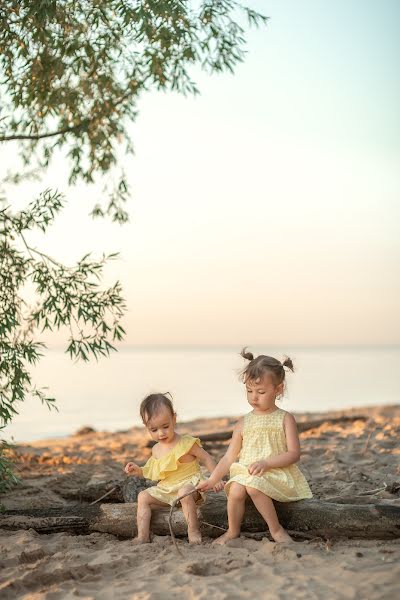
x=263 y=451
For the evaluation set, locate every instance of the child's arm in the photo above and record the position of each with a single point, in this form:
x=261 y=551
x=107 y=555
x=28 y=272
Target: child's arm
x=224 y=464
x=208 y=461
x=203 y=457
x=133 y=469
x=286 y=458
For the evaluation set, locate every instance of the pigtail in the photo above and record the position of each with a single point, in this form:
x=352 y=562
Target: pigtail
x=287 y=362
x=256 y=367
x=246 y=355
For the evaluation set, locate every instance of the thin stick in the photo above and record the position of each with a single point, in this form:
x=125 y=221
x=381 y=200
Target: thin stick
x=215 y=526
x=104 y=496
x=367 y=442
x=375 y=491
x=301 y=534
x=175 y=502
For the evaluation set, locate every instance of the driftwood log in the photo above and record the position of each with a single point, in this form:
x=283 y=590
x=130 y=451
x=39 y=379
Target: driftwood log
x=314 y=518
x=91 y=492
x=223 y=436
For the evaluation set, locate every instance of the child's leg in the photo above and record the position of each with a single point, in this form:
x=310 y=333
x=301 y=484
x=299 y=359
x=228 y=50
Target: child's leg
x=266 y=508
x=145 y=503
x=190 y=511
x=236 y=505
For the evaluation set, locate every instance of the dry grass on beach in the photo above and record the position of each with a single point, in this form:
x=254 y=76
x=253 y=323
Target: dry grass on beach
x=339 y=459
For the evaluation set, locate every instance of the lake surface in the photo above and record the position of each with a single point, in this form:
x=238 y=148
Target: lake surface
x=204 y=383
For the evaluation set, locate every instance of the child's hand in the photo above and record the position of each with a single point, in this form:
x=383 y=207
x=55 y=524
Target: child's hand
x=219 y=486
x=206 y=486
x=258 y=468
x=131 y=468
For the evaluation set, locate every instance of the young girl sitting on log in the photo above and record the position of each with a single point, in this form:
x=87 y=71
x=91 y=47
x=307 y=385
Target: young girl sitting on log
x=174 y=463
x=267 y=443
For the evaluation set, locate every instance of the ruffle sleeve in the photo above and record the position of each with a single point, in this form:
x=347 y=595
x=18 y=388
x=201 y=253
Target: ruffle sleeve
x=156 y=469
x=151 y=470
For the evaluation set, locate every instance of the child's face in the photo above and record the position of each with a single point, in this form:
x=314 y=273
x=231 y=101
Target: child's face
x=262 y=392
x=161 y=426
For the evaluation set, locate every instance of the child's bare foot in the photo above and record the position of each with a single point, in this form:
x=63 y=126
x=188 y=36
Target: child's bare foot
x=194 y=536
x=281 y=535
x=225 y=538
x=137 y=541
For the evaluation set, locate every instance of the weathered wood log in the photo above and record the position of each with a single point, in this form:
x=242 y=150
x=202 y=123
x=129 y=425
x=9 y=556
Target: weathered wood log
x=72 y=519
x=222 y=436
x=314 y=517
x=116 y=490
x=90 y=492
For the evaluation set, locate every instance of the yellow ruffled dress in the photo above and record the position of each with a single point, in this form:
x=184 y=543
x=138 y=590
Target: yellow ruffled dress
x=263 y=437
x=173 y=474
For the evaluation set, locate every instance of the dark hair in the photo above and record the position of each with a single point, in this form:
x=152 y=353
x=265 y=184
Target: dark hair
x=257 y=367
x=152 y=404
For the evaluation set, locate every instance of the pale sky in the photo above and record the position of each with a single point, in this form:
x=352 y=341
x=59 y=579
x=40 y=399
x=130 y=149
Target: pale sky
x=265 y=210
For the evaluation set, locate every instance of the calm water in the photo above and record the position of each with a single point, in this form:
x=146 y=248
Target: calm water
x=203 y=382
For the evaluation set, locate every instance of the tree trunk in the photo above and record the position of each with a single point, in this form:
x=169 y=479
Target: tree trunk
x=312 y=517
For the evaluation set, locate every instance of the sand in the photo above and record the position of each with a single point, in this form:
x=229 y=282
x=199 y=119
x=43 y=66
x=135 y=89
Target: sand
x=338 y=459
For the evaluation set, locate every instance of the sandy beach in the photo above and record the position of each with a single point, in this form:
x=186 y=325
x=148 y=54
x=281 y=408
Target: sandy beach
x=340 y=459
x=198 y=208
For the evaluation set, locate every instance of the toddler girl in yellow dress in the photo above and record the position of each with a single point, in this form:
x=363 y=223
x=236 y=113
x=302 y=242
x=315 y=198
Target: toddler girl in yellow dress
x=174 y=463
x=267 y=443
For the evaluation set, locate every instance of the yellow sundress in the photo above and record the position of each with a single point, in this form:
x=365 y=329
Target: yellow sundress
x=172 y=474
x=263 y=437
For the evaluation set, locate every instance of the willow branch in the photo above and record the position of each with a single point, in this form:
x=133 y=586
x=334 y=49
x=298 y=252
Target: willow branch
x=39 y=136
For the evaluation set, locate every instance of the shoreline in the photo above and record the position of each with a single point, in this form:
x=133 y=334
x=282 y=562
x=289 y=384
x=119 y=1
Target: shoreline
x=368 y=409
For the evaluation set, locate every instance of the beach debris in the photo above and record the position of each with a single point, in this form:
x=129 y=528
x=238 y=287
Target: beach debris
x=86 y=430
x=104 y=496
x=312 y=517
x=89 y=491
x=368 y=440
x=130 y=488
x=222 y=436
x=387 y=491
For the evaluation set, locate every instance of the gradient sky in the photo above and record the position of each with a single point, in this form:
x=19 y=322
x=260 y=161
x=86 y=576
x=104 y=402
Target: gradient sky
x=266 y=209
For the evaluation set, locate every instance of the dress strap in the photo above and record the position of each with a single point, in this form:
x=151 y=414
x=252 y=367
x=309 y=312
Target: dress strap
x=281 y=415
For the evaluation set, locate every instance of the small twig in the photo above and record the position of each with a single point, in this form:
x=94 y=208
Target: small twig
x=372 y=492
x=367 y=442
x=104 y=495
x=256 y=535
x=43 y=256
x=302 y=534
x=215 y=526
x=175 y=502
x=39 y=136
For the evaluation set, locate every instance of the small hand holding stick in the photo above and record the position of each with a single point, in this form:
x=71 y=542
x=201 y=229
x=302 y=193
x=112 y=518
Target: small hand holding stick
x=130 y=469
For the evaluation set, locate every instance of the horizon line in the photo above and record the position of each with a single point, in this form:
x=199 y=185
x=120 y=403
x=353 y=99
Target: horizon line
x=237 y=347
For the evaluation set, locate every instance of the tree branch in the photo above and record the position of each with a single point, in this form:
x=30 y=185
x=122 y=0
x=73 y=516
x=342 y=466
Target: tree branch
x=39 y=136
